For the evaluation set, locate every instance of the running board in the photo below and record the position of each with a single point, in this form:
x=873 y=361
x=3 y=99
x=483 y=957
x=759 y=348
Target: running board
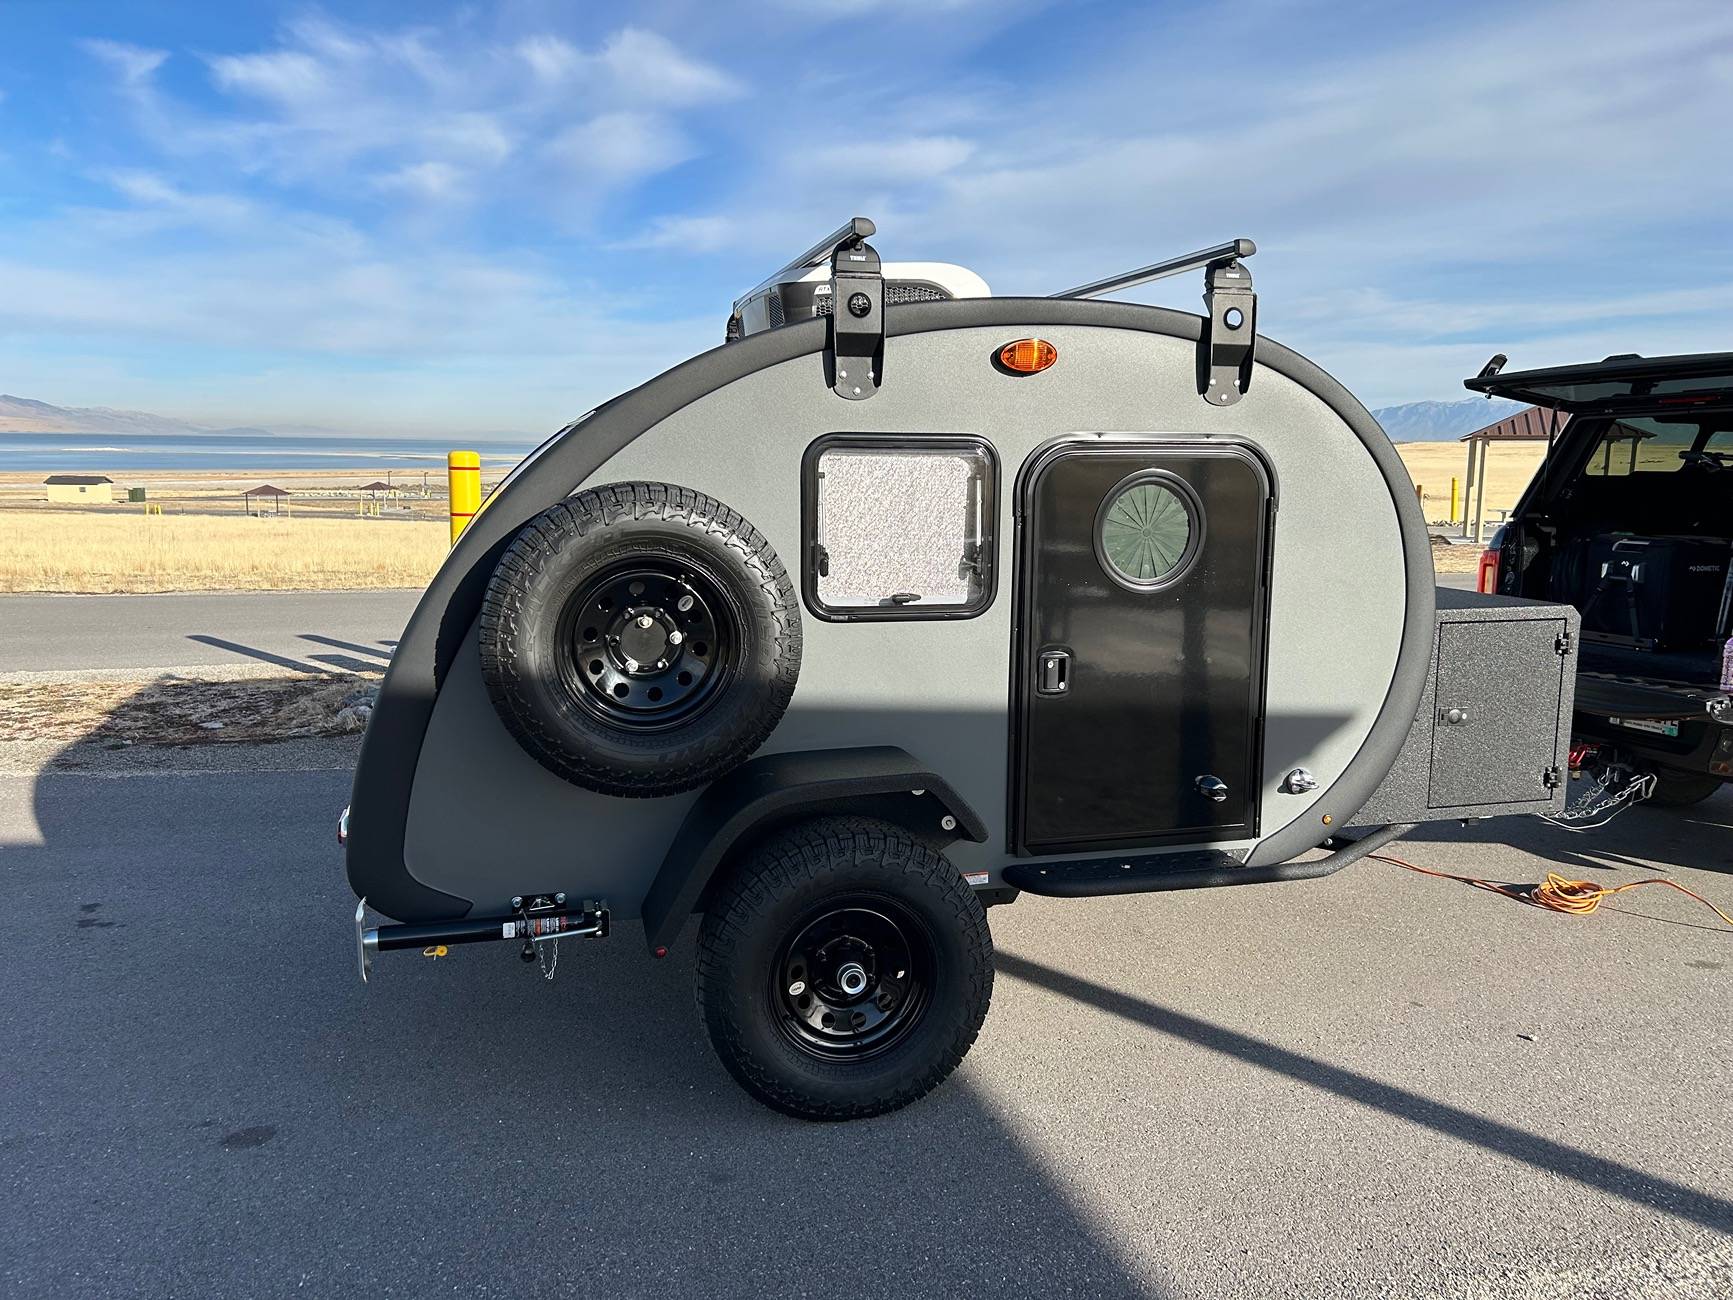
x=1095 y=877
x=1202 y=869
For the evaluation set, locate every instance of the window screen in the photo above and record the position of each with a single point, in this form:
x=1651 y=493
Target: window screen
x=899 y=527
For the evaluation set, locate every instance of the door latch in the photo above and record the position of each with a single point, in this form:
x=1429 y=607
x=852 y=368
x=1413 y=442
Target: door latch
x=1212 y=788
x=1053 y=672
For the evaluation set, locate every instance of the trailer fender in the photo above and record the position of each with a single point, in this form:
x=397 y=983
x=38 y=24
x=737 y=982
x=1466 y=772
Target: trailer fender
x=881 y=781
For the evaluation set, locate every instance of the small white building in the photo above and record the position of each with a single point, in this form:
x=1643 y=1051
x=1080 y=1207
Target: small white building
x=80 y=489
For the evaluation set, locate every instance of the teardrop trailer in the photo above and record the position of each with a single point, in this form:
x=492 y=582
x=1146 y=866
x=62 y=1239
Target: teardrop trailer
x=905 y=601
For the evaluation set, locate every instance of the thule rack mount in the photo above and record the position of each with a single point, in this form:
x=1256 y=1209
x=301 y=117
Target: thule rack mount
x=1230 y=326
x=855 y=355
x=854 y=360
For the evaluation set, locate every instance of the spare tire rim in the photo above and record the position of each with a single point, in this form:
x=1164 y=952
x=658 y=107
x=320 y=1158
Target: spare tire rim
x=854 y=978
x=646 y=644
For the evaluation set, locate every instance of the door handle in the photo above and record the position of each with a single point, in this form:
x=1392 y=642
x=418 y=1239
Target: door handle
x=1212 y=788
x=1053 y=672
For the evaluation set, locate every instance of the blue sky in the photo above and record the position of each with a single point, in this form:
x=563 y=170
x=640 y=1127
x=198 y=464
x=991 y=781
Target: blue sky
x=487 y=218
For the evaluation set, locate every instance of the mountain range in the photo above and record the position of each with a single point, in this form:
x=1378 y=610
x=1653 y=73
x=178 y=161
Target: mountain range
x=1408 y=422
x=26 y=415
x=1441 y=421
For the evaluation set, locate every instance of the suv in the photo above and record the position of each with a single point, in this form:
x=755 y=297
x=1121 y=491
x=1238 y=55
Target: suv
x=1630 y=519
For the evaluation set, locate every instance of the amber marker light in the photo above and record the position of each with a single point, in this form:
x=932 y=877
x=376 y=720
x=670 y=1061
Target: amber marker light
x=1027 y=356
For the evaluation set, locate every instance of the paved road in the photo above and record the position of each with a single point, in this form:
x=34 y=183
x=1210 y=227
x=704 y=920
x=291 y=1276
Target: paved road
x=1374 y=1085
x=304 y=631
x=311 y=631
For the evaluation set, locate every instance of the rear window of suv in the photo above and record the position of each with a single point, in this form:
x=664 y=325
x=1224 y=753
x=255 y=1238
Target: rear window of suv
x=1647 y=445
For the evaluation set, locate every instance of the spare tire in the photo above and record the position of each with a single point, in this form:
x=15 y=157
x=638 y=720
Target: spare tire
x=640 y=639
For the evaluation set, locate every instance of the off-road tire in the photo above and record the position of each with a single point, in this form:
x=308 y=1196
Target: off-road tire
x=748 y=919
x=1682 y=789
x=548 y=563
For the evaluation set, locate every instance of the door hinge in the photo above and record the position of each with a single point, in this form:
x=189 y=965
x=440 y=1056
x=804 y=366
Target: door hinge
x=1553 y=778
x=1230 y=332
x=857 y=320
x=1563 y=644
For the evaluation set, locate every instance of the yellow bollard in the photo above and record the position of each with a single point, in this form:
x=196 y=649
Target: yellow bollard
x=1420 y=496
x=463 y=473
x=1455 y=499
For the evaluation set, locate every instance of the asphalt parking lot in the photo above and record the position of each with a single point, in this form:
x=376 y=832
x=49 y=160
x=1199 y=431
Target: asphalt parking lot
x=1377 y=1084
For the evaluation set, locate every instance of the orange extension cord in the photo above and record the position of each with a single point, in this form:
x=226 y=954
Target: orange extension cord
x=1557 y=894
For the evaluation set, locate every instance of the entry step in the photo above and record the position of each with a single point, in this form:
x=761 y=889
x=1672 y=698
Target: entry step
x=1135 y=874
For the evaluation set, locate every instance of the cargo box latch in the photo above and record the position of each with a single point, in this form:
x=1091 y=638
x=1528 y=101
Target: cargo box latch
x=857 y=321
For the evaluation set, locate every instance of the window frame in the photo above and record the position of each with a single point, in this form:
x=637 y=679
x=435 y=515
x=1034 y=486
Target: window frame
x=988 y=543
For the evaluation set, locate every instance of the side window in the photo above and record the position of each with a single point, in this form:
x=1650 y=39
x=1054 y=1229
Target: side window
x=899 y=526
x=1641 y=446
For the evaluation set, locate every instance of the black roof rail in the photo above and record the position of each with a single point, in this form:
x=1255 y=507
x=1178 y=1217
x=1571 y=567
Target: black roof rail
x=852 y=232
x=1220 y=255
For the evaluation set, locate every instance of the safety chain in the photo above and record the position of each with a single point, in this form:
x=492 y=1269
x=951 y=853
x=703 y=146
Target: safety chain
x=530 y=945
x=1605 y=799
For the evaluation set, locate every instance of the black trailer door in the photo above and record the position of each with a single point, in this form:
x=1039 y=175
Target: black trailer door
x=1141 y=611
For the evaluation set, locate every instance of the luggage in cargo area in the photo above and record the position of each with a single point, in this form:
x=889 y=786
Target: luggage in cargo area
x=1492 y=734
x=1654 y=593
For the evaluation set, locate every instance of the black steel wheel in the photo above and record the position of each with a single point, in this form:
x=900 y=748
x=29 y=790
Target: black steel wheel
x=640 y=639
x=844 y=969
x=646 y=644
x=853 y=979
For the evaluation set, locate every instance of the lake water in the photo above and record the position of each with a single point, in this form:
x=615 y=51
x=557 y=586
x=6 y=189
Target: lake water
x=60 y=453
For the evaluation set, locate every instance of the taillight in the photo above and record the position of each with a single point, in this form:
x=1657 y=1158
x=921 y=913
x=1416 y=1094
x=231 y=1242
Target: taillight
x=1487 y=581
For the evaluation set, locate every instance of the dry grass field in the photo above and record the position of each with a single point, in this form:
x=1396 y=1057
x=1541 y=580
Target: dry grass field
x=177 y=711
x=1509 y=467
x=205 y=541
x=78 y=551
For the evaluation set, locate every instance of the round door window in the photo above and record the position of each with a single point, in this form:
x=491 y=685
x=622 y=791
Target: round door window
x=1148 y=530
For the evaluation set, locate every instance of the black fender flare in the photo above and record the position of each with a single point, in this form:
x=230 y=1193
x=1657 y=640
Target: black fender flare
x=767 y=791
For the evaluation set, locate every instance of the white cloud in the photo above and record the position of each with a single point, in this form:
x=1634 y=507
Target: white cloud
x=428 y=180
x=431 y=115
x=911 y=158
x=550 y=58
x=648 y=67
x=697 y=234
x=132 y=63
x=619 y=147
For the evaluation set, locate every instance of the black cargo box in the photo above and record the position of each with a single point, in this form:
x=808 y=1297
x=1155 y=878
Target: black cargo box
x=1492 y=735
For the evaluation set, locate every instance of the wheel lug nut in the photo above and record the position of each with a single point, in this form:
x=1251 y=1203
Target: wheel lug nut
x=676 y=637
x=644 y=620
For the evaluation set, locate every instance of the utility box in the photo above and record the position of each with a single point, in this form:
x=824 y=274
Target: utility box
x=1492 y=736
x=135 y=494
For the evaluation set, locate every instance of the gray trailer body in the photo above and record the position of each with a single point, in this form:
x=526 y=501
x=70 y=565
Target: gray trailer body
x=450 y=817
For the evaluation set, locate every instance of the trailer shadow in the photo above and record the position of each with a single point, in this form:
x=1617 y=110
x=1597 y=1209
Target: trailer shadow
x=1644 y=840
x=1494 y=1136
x=183 y=1009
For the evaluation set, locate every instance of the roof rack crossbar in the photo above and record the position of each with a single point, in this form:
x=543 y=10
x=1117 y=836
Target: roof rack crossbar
x=855 y=230
x=1220 y=254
